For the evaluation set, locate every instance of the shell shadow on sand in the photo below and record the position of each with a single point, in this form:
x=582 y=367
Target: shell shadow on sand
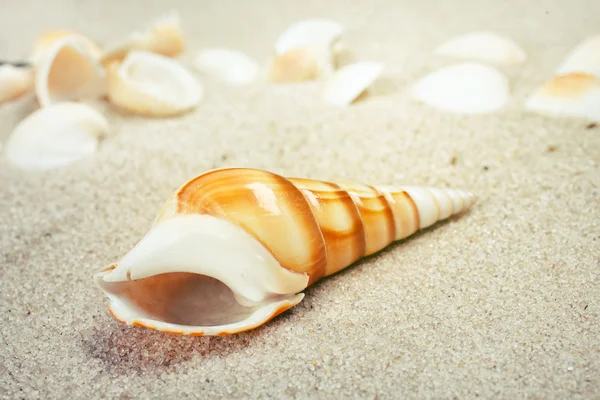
x=124 y=349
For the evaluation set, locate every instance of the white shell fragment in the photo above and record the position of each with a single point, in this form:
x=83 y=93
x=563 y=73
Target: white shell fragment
x=483 y=46
x=55 y=136
x=316 y=32
x=153 y=85
x=585 y=57
x=228 y=65
x=163 y=36
x=346 y=84
x=67 y=71
x=465 y=88
x=14 y=81
x=574 y=95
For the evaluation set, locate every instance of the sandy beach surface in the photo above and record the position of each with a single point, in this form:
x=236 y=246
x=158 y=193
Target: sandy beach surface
x=500 y=302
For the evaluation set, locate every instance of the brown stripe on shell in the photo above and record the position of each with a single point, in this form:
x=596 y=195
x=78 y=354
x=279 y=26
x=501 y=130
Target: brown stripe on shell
x=267 y=206
x=339 y=220
x=376 y=215
x=404 y=209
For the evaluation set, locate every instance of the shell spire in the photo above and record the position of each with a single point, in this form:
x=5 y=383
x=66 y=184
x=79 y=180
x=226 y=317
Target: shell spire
x=232 y=248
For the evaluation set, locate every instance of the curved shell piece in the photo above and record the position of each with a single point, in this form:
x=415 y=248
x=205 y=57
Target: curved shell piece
x=483 y=46
x=228 y=65
x=574 y=95
x=295 y=66
x=14 y=81
x=48 y=39
x=67 y=71
x=164 y=36
x=584 y=58
x=346 y=84
x=232 y=248
x=465 y=88
x=55 y=136
x=314 y=32
x=152 y=85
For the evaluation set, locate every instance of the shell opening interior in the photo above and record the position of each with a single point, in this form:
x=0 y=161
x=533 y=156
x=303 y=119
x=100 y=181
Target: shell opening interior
x=198 y=273
x=184 y=298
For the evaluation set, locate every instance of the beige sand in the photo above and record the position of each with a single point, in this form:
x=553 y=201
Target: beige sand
x=498 y=303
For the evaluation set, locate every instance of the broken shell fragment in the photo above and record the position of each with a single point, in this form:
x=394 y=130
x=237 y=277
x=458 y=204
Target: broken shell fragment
x=152 y=85
x=67 y=71
x=585 y=57
x=483 y=46
x=315 y=32
x=228 y=65
x=347 y=83
x=164 y=36
x=55 y=136
x=15 y=81
x=574 y=95
x=233 y=248
x=46 y=41
x=466 y=88
x=295 y=66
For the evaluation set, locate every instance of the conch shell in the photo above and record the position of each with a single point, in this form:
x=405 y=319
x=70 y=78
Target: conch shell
x=233 y=248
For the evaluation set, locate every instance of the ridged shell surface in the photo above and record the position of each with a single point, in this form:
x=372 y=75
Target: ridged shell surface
x=312 y=226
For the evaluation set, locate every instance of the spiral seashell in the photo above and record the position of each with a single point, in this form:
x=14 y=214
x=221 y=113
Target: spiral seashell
x=233 y=248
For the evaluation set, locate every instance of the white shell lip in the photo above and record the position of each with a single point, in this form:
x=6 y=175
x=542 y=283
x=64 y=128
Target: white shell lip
x=570 y=95
x=15 y=81
x=313 y=32
x=585 y=57
x=228 y=65
x=347 y=83
x=150 y=84
x=209 y=246
x=67 y=71
x=484 y=46
x=55 y=136
x=464 y=88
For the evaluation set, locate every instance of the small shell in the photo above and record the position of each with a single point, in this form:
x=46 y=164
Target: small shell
x=232 y=248
x=152 y=85
x=346 y=84
x=574 y=95
x=483 y=46
x=585 y=58
x=48 y=39
x=55 y=136
x=67 y=71
x=14 y=81
x=466 y=88
x=228 y=65
x=164 y=36
x=295 y=66
x=317 y=32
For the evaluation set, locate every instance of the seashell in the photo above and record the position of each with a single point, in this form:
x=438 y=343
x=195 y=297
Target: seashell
x=232 y=248
x=228 y=65
x=295 y=66
x=68 y=71
x=164 y=36
x=48 y=39
x=152 y=85
x=585 y=57
x=483 y=46
x=347 y=83
x=575 y=95
x=15 y=81
x=311 y=33
x=465 y=88
x=55 y=136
